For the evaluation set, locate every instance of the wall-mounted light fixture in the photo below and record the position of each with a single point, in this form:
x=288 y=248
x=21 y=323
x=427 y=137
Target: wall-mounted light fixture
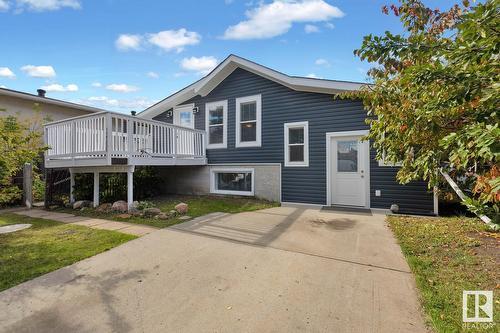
x=196 y=109
x=169 y=113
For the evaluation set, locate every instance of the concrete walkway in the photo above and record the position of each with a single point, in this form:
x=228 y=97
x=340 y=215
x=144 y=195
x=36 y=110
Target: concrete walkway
x=275 y=270
x=124 y=227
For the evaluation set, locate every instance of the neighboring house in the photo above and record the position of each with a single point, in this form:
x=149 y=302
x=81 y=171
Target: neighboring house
x=21 y=104
x=245 y=129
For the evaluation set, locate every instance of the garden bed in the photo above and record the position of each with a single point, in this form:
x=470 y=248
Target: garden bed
x=197 y=206
x=447 y=256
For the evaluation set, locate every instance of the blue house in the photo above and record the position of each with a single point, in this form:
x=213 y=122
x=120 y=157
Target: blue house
x=245 y=129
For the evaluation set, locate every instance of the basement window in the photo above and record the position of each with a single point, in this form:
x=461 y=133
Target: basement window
x=232 y=181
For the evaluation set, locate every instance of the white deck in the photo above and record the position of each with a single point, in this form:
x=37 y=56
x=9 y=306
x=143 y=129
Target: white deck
x=109 y=138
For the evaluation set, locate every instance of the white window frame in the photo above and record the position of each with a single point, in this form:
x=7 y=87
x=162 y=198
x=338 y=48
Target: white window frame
x=224 y=123
x=213 y=180
x=300 y=124
x=178 y=108
x=383 y=163
x=258 y=121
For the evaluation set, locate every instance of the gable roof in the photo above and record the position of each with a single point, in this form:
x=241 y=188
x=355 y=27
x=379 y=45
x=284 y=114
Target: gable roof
x=47 y=100
x=206 y=84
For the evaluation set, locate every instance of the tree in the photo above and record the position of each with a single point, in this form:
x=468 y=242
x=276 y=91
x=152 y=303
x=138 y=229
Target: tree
x=20 y=143
x=436 y=91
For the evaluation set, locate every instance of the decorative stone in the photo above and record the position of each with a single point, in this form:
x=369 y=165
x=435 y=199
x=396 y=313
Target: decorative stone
x=181 y=208
x=14 y=227
x=82 y=203
x=150 y=212
x=104 y=208
x=120 y=206
x=136 y=212
x=162 y=216
x=184 y=218
x=124 y=216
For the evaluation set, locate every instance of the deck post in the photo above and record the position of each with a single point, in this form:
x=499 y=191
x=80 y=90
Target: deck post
x=130 y=188
x=96 y=188
x=72 y=187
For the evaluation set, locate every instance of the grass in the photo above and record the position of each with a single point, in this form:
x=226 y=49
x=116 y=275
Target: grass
x=198 y=206
x=47 y=246
x=447 y=256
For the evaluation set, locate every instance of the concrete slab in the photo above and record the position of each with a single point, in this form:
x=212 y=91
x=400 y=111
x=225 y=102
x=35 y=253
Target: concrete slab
x=287 y=277
x=89 y=222
x=111 y=225
x=138 y=230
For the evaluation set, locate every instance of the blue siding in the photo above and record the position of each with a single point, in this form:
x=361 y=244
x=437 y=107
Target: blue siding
x=282 y=105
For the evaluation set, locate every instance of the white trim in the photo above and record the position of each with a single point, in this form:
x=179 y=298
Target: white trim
x=258 y=120
x=305 y=126
x=205 y=85
x=329 y=136
x=181 y=108
x=224 y=120
x=213 y=181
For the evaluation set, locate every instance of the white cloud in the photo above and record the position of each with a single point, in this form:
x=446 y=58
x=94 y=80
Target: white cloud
x=322 y=62
x=105 y=102
x=2 y=86
x=313 y=76
x=121 y=87
x=4 y=5
x=96 y=84
x=6 y=72
x=228 y=2
x=153 y=75
x=329 y=25
x=273 y=19
x=60 y=88
x=39 y=71
x=45 y=5
x=202 y=65
x=309 y=29
x=169 y=40
x=128 y=42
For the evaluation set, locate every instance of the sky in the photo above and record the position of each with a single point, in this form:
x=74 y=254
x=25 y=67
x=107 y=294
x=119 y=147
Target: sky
x=125 y=55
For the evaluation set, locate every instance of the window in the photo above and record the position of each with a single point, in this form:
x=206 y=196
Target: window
x=347 y=156
x=297 y=144
x=383 y=162
x=216 y=124
x=248 y=121
x=232 y=181
x=183 y=115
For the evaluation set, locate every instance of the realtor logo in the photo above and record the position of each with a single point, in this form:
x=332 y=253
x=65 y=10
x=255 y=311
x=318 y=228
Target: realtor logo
x=481 y=306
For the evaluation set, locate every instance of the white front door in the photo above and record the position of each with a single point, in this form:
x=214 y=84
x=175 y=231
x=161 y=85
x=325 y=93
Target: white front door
x=349 y=171
x=183 y=116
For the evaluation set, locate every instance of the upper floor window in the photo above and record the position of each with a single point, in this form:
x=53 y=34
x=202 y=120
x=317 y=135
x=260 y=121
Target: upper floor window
x=216 y=124
x=248 y=121
x=297 y=144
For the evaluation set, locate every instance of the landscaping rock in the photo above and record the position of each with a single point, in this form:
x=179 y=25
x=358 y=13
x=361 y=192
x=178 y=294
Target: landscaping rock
x=124 y=216
x=135 y=205
x=181 y=208
x=162 y=216
x=104 y=208
x=82 y=203
x=184 y=218
x=120 y=206
x=151 y=212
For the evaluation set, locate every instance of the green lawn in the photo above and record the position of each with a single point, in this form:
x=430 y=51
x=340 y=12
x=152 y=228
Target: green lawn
x=198 y=206
x=447 y=256
x=47 y=246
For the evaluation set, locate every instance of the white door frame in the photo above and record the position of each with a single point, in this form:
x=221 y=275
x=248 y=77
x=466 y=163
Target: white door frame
x=180 y=108
x=329 y=137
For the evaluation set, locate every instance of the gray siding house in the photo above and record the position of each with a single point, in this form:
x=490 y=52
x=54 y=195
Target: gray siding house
x=283 y=138
x=244 y=129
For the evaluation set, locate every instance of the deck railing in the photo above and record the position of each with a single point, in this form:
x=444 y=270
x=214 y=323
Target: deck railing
x=111 y=135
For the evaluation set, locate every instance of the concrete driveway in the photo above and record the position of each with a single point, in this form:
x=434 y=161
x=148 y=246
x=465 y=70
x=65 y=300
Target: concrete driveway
x=275 y=270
